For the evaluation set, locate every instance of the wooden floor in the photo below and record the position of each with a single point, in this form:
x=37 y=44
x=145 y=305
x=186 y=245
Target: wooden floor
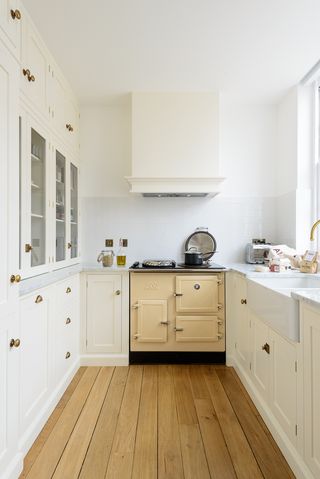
x=146 y=422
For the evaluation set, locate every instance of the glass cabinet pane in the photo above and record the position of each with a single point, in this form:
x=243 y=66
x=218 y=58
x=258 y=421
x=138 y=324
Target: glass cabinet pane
x=74 y=210
x=60 y=207
x=38 y=199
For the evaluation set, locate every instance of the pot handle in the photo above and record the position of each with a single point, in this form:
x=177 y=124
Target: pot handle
x=99 y=259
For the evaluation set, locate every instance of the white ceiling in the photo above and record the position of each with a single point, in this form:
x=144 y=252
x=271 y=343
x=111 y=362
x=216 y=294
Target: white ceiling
x=249 y=48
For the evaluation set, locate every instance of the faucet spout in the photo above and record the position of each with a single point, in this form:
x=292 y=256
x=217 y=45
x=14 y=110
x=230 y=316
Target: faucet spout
x=317 y=223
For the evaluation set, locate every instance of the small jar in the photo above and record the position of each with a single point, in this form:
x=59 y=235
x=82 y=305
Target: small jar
x=106 y=257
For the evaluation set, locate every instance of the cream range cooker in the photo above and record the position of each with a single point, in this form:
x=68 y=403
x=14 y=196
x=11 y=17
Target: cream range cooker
x=177 y=314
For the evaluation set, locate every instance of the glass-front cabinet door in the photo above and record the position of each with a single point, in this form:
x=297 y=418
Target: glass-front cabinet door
x=34 y=196
x=61 y=231
x=74 y=212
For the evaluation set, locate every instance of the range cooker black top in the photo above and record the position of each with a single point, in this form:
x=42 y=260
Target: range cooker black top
x=170 y=264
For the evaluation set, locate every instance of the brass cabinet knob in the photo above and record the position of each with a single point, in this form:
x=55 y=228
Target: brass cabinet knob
x=68 y=321
x=68 y=355
x=38 y=299
x=15 y=278
x=15 y=14
x=31 y=78
x=27 y=248
x=243 y=301
x=14 y=343
x=68 y=290
x=266 y=348
x=118 y=292
x=26 y=72
x=69 y=127
x=69 y=245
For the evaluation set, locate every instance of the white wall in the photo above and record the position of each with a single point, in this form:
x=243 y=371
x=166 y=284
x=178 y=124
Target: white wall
x=158 y=227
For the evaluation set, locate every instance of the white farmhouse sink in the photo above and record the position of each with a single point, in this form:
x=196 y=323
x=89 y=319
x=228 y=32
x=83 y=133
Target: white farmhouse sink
x=270 y=299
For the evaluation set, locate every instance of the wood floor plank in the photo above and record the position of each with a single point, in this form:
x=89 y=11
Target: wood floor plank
x=183 y=394
x=48 y=427
x=169 y=449
x=218 y=457
x=146 y=438
x=50 y=454
x=73 y=456
x=97 y=457
x=242 y=456
x=193 y=456
x=121 y=457
x=270 y=463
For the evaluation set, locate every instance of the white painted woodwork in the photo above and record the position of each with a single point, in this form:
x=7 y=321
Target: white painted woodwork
x=260 y=359
x=9 y=239
x=10 y=27
x=199 y=294
x=34 y=57
x=283 y=382
x=103 y=313
x=152 y=321
x=36 y=363
x=197 y=328
x=311 y=375
x=241 y=321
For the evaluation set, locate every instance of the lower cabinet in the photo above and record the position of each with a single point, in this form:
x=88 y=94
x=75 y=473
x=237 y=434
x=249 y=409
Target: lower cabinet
x=36 y=372
x=310 y=329
x=242 y=321
x=105 y=318
x=49 y=352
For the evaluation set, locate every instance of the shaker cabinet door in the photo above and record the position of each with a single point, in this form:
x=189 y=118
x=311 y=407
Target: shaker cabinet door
x=197 y=294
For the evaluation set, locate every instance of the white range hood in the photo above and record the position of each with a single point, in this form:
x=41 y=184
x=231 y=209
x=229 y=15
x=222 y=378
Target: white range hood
x=175 y=144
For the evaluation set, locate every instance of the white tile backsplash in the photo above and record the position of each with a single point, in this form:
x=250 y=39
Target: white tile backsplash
x=158 y=227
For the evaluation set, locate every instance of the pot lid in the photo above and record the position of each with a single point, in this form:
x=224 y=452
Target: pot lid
x=201 y=241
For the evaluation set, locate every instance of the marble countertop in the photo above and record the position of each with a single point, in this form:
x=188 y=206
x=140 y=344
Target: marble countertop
x=311 y=297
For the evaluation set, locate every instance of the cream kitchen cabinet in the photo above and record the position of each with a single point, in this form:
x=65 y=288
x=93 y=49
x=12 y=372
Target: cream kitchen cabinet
x=105 y=317
x=310 y=332
x=9 y=267
x=10 y=25
x=36 y=372
x=242 y=343
x=34 y=74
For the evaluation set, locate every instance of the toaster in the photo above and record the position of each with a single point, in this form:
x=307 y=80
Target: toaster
x=257 y=252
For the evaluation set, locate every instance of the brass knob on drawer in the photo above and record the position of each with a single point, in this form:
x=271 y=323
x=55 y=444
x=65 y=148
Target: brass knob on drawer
x=69 y=127
x=68 y=321
x=31 y=78
x=68 y=290
x=26 y=72
x=68 y=355
x=118 y=292
x=266 y=348
x=15 y=14
x=243 y=301
x=14 y=343
x=38 y=299
x=15 y=278
x=69 y=245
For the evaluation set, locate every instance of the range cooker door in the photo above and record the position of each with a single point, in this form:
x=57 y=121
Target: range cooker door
x=152 y=321
x=197 y=329
x=197 y=294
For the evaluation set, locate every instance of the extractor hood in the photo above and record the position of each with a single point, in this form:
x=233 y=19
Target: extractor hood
x=175 y=145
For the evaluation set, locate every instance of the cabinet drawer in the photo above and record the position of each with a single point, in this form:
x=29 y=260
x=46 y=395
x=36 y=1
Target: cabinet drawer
x=66 y=294
x=198 y=328
x=65 y=352
x=197 y=294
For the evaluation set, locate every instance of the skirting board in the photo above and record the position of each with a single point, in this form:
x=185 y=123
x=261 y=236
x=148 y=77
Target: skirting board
x=292 y=456
x=33 y=431
x=15 y=467
x=104 y=360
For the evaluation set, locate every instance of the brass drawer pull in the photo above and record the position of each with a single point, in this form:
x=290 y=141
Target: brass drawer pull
x=178 y=329
x=68 y=290
x=266 y=348
x=15 y=278
x=14 y=343
x=69 y=127
x=39 y=299
x=27 y=248
x=15 y=14
x=243 y=301
x=164 y=322
x=68 y=321
x=26 y=72
x=118 y=292
x=68 y=355
x=69 y=245
x=177 y=294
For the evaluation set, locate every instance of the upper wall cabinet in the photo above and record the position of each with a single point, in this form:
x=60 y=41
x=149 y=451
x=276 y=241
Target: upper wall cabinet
x=10 y=24
x=34 y=68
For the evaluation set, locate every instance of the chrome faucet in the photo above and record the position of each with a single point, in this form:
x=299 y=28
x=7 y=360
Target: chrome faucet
x=317 y=223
